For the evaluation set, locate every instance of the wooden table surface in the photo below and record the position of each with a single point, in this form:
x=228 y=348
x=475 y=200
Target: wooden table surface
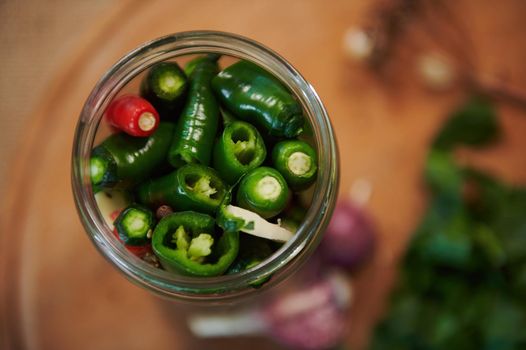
x=59 y=293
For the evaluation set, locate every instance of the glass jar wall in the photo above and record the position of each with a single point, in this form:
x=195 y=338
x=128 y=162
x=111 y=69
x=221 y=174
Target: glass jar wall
x=287 y=259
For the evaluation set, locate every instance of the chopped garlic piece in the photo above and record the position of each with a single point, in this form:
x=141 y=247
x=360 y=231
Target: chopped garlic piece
x=257 y=226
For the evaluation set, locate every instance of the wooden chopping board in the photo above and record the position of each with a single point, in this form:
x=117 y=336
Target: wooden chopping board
x=59 y=293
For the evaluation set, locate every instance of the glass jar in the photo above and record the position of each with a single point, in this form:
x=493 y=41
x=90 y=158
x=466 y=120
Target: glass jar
x=226 y=288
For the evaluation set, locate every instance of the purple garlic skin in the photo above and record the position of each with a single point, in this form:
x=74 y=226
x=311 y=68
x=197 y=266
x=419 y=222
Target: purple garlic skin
x=350 y=238
x=313 y=317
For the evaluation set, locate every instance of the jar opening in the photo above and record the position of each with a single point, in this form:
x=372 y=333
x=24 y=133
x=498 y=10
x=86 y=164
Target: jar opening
x=284 y=261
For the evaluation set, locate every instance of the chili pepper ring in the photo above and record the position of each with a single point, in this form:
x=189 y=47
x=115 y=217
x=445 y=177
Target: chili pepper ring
x=191 y=187
x=181 y=239
x=296 y=161
x=165 y=86
x=133 y=225
x=264 y=191
x=240 y=148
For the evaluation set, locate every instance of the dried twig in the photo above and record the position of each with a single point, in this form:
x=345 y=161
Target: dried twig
x=390 y=21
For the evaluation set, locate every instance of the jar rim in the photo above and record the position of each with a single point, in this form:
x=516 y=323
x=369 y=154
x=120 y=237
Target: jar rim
x=286 y=259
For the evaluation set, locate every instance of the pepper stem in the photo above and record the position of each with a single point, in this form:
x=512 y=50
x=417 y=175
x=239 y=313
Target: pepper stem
x=146 y=121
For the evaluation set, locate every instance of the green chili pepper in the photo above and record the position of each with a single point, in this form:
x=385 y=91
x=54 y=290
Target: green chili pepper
x=293 y=216
x=227 y=116
x=256 y=96
x=263 y=191
x=190 y=66
x=186 y=242
x=103 y=170
x=197 y=126
x=165 y=88
x=191 y=187
x=134 y=224
x=296 y=161
x=252 y=252
x=126 y=160
x=239 y=150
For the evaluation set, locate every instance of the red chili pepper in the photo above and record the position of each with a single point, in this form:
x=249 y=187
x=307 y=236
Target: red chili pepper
x=114 y=214
x=133 y=115
x=137 y=250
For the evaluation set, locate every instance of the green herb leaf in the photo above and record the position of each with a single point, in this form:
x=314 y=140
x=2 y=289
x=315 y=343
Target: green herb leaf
x=473 y=124
x=462 y=282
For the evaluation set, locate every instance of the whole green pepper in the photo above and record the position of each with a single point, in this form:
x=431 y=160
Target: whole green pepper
x=296 y=160
x=191 y=187
x=254 y=95
x=197 y=126
x=263 y=191
x=239 y=150
x=125 y=160
x=186 y=242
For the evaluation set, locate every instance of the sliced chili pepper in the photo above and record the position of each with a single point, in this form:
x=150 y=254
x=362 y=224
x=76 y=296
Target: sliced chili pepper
x=133 y=115
x=125 y=160
x=197 y=126
x=256 y=96
x=191 y=187
x=263 y=191
x=239 y=150
x=296 y=160
x=186 y=242
x=252 y=251
x=103 y=169
x=165 y=86
x=292 y=217
x=134 y=224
